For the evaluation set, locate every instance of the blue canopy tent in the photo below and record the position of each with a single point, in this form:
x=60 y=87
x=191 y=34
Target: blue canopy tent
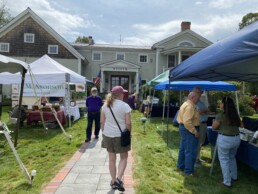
x=189 y=85
x=234 y=58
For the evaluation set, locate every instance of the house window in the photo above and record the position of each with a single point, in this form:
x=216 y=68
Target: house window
x=96 y=56
x=171 y=61
x=120 y=56
x=29 y=37
x=143 y=58
x=4 y=47
x=52 y=49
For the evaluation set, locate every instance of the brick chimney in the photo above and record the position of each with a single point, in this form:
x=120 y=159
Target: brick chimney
x=185 y=26
x=91 y=41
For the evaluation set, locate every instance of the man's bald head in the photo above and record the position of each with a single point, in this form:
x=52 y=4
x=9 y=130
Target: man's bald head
x=194 y=97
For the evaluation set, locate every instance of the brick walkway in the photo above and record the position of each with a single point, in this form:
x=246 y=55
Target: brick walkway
x=87 y=173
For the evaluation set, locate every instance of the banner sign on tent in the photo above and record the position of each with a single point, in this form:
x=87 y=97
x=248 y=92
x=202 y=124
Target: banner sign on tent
x=44 y=89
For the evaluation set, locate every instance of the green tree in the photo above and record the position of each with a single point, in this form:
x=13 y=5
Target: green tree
x=248 y=19
x=82 y=39
x=5 y=16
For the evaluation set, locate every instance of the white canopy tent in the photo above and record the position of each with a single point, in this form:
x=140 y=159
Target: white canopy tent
x=47 y=71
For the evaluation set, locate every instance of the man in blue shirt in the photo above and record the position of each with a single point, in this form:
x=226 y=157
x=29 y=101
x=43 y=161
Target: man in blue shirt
x=93 y=105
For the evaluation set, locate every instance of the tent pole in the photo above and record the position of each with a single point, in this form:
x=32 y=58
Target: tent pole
x=180 y=97
x=164 y=104
x=237 y=103
x=168 y=109
x=151 y=104
x=69 y=108
x=19 y=109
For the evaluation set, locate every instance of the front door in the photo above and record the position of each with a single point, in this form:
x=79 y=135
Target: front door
x=120 y=80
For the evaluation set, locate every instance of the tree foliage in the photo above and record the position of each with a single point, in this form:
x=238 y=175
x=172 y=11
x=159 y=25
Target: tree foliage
x=5 y=16
x=248 y=19
x=82 y=39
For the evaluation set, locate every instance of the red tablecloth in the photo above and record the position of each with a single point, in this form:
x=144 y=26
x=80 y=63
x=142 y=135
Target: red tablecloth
x=34 y=116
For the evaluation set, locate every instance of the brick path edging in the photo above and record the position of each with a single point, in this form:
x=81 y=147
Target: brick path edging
x=53 y=185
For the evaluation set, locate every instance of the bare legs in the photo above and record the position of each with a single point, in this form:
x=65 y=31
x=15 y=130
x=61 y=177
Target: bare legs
x=121 y=166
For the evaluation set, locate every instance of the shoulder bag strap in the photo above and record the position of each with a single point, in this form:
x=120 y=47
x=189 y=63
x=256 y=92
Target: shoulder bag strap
x=115 y=119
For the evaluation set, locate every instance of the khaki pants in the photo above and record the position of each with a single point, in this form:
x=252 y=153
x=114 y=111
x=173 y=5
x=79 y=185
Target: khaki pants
x=202 y=137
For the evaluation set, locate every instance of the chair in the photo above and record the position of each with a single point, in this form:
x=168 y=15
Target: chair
x=14 y=114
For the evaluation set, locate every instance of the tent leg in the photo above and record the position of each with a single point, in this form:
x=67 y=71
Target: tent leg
x=6 y=132
x=168 y=112
x=149 y=115
x=42 y=119
x=213 y=158
x=61 y=126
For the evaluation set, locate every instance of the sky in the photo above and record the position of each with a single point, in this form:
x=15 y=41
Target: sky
x=137 y=22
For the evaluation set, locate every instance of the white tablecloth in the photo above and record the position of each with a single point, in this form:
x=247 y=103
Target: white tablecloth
x=74 y=110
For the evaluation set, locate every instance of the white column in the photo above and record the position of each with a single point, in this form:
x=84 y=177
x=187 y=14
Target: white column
x=102 y=81
x=79 y=66
x=157 y=62
x=137 y=82
x=179 y=57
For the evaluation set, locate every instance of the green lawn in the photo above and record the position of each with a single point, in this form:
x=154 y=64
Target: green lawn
x=154 y=168
x=155 y=164
x=45 y=152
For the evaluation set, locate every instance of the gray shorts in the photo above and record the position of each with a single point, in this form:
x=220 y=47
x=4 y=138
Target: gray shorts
x=113 y=144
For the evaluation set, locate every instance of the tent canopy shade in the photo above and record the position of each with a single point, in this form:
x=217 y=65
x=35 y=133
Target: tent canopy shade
x=11 y=65
x=160 y=78
x=189 y=85
x=234 y=58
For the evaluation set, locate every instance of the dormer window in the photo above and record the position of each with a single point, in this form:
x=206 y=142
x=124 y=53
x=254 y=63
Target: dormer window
x=29 y=37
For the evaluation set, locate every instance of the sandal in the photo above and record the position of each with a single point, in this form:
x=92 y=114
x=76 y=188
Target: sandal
x=117 y=185
x=119 y=181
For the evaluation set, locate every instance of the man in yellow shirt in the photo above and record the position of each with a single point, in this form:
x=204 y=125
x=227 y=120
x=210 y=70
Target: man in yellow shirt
x=189 y=122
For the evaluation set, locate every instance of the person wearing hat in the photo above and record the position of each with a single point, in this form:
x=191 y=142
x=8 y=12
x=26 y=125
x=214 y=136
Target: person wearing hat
x=93 y=105
x=112 y=135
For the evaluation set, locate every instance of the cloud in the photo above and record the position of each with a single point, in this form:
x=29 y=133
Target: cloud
x=148 y=34
x=214 y=28
x=218 y=27
x=224 y=4
x=198 y=3
x=63 y=22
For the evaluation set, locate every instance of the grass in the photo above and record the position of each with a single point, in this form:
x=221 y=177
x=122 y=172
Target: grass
x=45 y=152
x=154 y=169
x=155 y=156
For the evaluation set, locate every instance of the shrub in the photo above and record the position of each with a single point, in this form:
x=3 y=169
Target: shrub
x=245 y=106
